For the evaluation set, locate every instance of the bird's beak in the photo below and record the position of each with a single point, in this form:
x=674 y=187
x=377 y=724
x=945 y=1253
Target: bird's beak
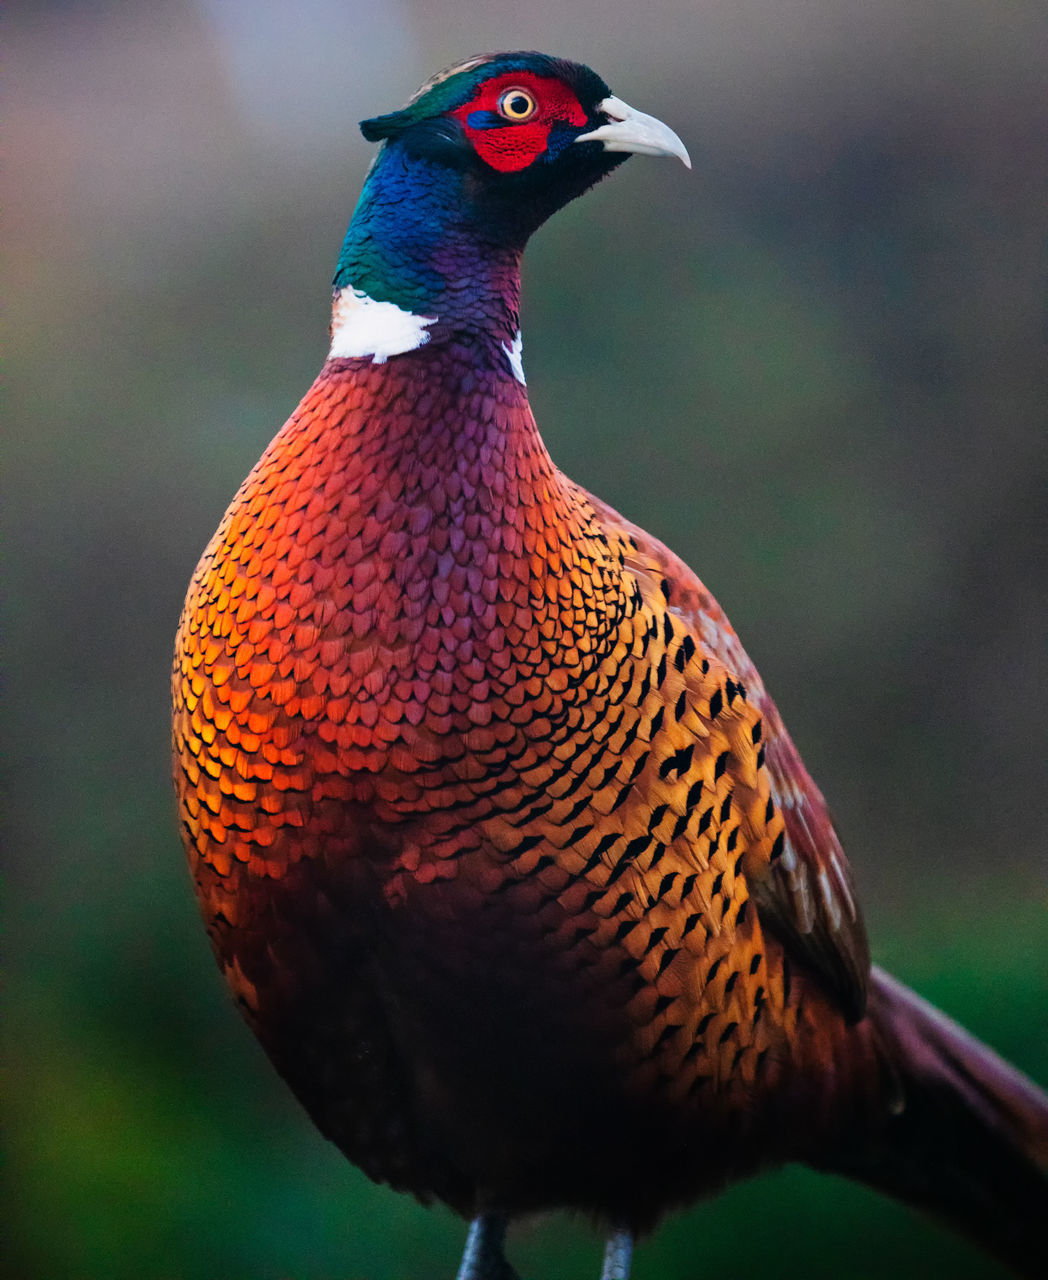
x=631 y=130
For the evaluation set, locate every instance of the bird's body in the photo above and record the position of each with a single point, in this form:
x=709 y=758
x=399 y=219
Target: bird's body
x=501 y=843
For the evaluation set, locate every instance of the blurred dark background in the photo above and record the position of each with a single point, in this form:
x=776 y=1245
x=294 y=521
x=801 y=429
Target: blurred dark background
x=814 y=366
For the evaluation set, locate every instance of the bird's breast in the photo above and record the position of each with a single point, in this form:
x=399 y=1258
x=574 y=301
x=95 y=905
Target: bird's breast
x=381 y=604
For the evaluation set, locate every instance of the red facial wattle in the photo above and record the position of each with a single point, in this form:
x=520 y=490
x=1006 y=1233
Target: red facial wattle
x=507 y=145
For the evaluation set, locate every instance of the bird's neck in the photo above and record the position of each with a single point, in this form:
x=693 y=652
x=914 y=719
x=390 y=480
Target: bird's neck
x=419 y=266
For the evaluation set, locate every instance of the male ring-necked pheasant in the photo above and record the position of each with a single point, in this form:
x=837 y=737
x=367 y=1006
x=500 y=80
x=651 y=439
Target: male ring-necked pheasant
x=501 y=843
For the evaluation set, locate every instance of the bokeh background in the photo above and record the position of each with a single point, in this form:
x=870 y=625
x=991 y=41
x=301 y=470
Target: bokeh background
x=814 y=366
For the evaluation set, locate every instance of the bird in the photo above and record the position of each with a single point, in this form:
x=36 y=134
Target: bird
x=500 y=842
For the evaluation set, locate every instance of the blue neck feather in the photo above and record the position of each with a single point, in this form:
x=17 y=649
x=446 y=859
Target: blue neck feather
x=415 y=240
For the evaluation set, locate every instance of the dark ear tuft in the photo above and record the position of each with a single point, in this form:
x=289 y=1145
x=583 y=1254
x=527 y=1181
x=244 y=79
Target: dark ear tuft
x=379 y=127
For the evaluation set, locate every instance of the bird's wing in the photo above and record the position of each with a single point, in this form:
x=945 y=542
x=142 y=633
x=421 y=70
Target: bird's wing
x=805 y=893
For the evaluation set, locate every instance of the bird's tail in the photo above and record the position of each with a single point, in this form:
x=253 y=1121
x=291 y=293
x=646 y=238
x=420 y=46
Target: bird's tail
x=967 y=1139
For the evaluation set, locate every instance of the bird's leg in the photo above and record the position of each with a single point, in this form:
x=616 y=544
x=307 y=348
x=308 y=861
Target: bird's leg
x=483 y=1258
x=617 y=1254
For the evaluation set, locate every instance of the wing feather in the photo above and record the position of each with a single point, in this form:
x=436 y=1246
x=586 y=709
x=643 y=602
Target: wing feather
x=805 y=894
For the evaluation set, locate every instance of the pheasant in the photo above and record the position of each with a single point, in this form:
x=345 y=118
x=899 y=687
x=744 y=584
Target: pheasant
x=500 y=841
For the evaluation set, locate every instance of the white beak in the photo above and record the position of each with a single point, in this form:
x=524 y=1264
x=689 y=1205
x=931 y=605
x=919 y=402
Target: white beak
x=631 y=130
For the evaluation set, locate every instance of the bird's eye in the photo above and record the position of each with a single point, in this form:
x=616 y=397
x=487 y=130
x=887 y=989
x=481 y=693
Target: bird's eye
x=517 y=104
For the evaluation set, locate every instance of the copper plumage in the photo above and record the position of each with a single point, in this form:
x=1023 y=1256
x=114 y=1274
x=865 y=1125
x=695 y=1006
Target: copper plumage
x=502 y=845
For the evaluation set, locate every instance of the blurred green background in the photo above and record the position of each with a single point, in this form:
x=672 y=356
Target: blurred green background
x=814 y=366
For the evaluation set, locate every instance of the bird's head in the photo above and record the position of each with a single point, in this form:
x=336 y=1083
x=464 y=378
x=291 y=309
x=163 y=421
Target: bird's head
x=478 y=158
x=527 y=132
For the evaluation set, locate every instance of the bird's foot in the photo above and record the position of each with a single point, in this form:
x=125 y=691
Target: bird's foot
x=618 y=1251
x=483 y=1258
